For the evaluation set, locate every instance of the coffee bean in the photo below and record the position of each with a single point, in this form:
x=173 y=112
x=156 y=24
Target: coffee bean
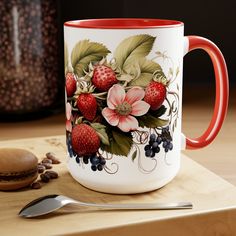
x=52 y=156
x=36 y=185
x=46 y=160
x=45 y=178
x=52 y=174
x=56 y=161
x=41 y=168
x=48 y=175
x=47 y=165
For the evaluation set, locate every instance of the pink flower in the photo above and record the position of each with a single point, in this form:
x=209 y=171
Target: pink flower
x=68 y=117
x=122 y=107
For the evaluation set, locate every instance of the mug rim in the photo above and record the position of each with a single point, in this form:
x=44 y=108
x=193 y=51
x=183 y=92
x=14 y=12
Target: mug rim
x=123 y=23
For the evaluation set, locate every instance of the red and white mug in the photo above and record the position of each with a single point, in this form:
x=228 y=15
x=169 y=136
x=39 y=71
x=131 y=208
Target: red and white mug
x=124 y=101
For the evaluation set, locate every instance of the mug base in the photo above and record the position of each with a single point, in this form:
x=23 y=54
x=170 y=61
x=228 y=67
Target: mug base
x=125 y=189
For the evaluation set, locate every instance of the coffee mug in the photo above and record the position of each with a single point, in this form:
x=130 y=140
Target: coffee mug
x=124 y=101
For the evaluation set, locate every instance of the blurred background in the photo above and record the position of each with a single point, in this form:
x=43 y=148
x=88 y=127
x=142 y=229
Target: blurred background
x=36 y=88
x=40 y=59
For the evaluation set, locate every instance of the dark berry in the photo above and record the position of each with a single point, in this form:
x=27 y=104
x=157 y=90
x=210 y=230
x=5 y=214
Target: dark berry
x=165 y=129
x=91 y=158
x=152 y=137
x=164 y=139
x=148 y=153
x=164 y=144
x=159 y=140
x=166 y=149
x=77 y=159
x=70 y=150
x=147 y=147
x=94 y=160
x=93 y=167
x=154 y=145
x=170 y=146
x=156 y=150
x=70 y=153
x=102 y=161
x=151 y=142
x=99 y=167
x=74 y=154
x=152 y=153
x=68 y=140
x=86 y=160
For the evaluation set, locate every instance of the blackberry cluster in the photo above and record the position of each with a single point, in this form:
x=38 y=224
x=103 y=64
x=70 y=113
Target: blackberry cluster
x=166 y=139
x=155 y=142
x=97 y=162
x=153 y=147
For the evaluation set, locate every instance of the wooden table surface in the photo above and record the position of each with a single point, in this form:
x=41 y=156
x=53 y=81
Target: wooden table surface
x=213 y=199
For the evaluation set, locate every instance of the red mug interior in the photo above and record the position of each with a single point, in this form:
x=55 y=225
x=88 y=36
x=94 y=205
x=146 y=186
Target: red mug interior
x=123 y=23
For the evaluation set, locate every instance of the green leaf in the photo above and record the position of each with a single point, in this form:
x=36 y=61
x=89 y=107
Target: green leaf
x=160 y=77
x=65 y=55
x=133 y=48
x=147 y=69
x=85 y=52
x=150 y=121
x=120 y=143
x=134 y=155
x=159 y=112
x=101 y=131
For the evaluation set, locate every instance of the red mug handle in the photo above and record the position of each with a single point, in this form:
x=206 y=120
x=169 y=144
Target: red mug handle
x=222 y=90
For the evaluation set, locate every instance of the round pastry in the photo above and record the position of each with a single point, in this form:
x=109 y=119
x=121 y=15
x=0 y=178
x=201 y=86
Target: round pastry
x=18 y=168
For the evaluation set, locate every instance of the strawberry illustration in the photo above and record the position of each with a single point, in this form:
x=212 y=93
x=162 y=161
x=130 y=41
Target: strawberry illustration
x=155 y=94
x=87 y=104
x=84 y=140
x=70 y=84
x=103 y=77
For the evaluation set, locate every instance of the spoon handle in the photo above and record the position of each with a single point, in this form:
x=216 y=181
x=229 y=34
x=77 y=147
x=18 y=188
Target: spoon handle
x=141 y=206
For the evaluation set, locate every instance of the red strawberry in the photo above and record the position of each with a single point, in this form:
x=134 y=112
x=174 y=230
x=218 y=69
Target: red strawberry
x=70 y=84
x=103 y=78
x=155 y=94
x=84 y=140
x=87 y=104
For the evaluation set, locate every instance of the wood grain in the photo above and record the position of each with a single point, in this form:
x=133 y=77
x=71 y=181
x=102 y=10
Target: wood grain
x=214 y=202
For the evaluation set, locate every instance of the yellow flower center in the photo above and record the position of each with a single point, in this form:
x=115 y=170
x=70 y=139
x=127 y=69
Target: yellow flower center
x=124 y=109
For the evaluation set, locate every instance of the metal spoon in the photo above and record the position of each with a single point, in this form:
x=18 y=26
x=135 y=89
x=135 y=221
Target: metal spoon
x=49 y=203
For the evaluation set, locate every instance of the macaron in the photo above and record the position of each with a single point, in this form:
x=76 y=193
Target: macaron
x=18 y=168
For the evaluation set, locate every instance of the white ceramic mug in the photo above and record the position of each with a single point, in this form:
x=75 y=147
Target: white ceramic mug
x=124 y=101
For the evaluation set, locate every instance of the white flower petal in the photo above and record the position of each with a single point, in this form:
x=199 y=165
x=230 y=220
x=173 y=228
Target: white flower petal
x=128 y=123
x=111 y=116
x=116 y=96
x=134 y=94
x=139 y=108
